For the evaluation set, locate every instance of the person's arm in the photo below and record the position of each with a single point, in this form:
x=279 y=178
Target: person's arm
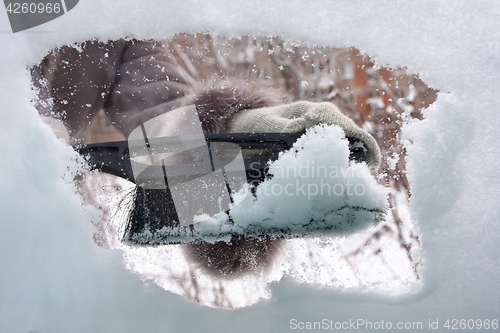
x=73 y=82
x=148 y=83
x=133 y=81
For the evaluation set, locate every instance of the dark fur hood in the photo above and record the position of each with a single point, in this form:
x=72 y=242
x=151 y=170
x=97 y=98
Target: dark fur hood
x=216 y=101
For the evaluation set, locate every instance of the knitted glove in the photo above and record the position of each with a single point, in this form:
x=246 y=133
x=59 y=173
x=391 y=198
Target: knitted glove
x=297 y=117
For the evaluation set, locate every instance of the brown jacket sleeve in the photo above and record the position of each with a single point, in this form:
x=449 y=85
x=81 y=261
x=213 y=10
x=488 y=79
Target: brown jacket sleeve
x=133 y=81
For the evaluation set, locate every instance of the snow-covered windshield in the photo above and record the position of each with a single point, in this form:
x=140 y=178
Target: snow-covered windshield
x=53 y=269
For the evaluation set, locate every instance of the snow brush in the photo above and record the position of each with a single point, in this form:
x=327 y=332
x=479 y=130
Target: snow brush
x=186 y=186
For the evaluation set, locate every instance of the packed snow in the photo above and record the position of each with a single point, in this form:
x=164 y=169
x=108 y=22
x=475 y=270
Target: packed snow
x=310 y=185
x=308 y=193
x=55 y=279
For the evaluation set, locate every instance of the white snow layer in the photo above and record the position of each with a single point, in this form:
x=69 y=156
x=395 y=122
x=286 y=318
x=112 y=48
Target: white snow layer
x=54 y=279
x=308 y=184
x=310 y=194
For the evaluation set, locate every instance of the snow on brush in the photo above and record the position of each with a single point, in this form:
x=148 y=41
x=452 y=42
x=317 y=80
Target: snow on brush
x=313 y=190
x=55 y=279
x=314 y=181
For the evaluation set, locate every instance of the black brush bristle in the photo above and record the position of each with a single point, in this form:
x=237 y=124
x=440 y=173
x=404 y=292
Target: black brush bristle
x=152 y=209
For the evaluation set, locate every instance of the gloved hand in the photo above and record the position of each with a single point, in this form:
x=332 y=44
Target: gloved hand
x=299 y=116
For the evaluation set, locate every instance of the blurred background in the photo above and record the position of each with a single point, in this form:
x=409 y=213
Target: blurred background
x=378 y=99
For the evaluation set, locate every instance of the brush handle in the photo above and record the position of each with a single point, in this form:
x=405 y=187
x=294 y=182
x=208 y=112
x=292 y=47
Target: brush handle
x=109 y=157
x=114 y=157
